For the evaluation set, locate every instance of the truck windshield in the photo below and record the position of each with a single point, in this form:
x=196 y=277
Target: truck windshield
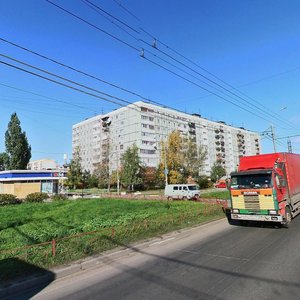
x=254 y=181
x=193 y=187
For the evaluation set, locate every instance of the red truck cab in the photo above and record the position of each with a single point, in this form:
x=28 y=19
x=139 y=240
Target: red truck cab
x=266 y=188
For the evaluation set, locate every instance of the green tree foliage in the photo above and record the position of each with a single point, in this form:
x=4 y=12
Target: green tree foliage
x=92 y=181
x=131 y=168
x=217 y=171
x=4 y=161
x=17 y=148
x=149 y=177
x=204 y=182
x=194 y=157
x=75 y=173
x=102 y=175
x=182 y=157
x=172 y=156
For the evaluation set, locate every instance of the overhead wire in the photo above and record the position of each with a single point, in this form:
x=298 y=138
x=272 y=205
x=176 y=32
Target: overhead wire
x=125 y=9
x=97 y=91
x=78 y=71
x=60 y=83
x=130 y=105
x=97 y=78
x=49 y=98
x=248 y=103
x=107 y=18
x=65 y=79
x=96 y=27
x=213 y=75
x=201 y=87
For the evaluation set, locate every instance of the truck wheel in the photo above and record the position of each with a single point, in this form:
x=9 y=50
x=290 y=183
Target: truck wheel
x=184 y=198
x=288 y=218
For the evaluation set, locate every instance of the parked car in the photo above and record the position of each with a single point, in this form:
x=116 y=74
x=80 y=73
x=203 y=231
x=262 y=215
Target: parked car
x=182 y=191
x=221 y=184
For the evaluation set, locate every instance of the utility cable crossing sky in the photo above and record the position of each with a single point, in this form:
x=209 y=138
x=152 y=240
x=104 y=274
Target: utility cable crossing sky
x=134 y=62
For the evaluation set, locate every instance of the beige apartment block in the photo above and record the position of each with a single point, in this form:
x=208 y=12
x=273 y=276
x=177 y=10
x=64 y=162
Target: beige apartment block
x=106 y=137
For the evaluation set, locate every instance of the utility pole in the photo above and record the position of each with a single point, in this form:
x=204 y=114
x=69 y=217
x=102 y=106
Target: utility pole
x=166 y=166
x=118 y=177
x=273 y=138
x=163 y=151
x=289 y=143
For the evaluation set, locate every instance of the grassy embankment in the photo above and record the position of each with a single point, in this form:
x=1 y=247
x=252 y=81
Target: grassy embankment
x=115 y=222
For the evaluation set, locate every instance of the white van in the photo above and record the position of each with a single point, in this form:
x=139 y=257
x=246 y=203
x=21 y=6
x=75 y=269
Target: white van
x=182 y=191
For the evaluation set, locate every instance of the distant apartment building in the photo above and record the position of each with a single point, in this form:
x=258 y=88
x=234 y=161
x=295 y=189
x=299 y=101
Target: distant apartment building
x=104 y=138
x=42 y=164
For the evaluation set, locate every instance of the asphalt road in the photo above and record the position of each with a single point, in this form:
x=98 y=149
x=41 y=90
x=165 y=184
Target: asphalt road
x=214 y=261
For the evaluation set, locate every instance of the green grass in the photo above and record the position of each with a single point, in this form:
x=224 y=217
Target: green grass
x=116 y=222
x=216 y=194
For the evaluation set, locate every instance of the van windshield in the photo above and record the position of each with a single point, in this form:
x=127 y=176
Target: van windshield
x=192 y=187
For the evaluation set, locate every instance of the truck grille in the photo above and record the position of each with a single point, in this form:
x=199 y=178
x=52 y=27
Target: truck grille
x=251 y=202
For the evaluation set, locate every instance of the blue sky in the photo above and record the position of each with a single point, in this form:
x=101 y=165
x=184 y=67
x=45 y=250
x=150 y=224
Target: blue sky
x=251 y=45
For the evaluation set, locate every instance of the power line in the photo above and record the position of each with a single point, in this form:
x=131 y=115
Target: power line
x=50 y=98
x=125 y=9
x=107 y=13
x=65 y=79
x=59 y=83
x=77 y=89
x=96 y=27
x=216 y=77
x=261 y=111
x=91 y=76
x=227 y=90
x=229 y=101
x=107 y=18
x=78 y=71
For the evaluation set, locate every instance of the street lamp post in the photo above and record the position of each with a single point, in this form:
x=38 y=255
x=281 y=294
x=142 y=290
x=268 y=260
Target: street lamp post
x=118 y=179
x=166 y=166
x=166 y=171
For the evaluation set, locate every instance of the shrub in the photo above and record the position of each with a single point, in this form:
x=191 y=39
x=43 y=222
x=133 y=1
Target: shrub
x=59 y=197
x=36 y=197
x=204 y=182
x=6 y=199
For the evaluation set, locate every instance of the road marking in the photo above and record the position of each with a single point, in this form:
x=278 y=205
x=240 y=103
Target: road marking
x=163 y=241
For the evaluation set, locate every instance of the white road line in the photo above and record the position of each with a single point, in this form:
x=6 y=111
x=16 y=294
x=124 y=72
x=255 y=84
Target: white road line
x=163 y=241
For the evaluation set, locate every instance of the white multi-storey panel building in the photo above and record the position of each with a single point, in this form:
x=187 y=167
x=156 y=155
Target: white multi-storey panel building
x=104 y=138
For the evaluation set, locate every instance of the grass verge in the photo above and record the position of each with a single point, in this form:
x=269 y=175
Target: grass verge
x=86 y=227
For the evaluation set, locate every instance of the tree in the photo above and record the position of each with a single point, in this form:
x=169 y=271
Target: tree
x=182 y=157
x=149 y=177
x=102 y=174
x=217 y=171
x=131 y=168
x=75 y=173
x=17 y=148
x=194 y=157
x=4 y=161
x=172 y=157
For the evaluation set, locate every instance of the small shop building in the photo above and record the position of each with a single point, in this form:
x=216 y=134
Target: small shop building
x=23 y=182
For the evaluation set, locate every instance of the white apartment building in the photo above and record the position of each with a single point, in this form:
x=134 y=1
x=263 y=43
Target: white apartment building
x=106 y=137
x=42 y=164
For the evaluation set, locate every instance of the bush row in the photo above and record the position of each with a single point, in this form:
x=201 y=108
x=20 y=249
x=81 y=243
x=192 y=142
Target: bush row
x=6 y=199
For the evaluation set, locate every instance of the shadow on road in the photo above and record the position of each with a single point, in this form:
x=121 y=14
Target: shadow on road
x=18 y=276
x=232 y=274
